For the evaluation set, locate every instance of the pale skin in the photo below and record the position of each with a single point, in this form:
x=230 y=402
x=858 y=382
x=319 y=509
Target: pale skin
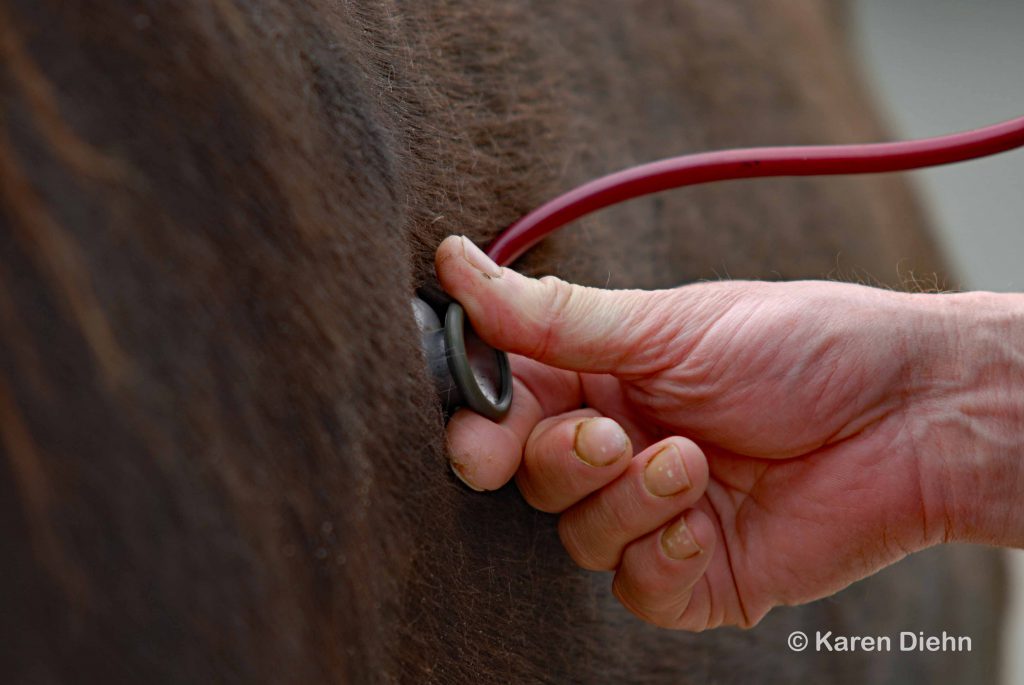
x=724 y=448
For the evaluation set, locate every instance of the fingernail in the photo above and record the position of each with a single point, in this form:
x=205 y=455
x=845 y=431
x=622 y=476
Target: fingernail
x=458 y=469
x=677 y=543
x=478 y=260
x=599 y=441
x=665 y=474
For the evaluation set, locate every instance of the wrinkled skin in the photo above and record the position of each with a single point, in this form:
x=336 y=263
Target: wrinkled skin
x=821 y=411
x=221 y=459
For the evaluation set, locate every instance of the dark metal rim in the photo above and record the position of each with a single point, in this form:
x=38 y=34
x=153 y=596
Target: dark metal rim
x=458 y=363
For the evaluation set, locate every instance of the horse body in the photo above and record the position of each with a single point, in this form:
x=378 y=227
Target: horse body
x=222 y=459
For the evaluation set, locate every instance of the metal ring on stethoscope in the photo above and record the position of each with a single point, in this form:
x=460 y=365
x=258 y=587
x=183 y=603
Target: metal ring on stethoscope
x=467 y=372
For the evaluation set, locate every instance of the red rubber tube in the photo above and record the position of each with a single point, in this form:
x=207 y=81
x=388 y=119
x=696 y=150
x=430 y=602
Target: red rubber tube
x=819 y=160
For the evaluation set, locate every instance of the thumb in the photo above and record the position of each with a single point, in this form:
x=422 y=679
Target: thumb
x=557 y=323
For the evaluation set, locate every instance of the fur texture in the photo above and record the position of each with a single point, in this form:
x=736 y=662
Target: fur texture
x=221 y=460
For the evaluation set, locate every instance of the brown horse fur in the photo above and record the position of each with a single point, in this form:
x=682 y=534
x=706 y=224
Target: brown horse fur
x=221 y=459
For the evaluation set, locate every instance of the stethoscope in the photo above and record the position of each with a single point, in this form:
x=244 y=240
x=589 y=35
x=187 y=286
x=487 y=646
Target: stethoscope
x=469 y=373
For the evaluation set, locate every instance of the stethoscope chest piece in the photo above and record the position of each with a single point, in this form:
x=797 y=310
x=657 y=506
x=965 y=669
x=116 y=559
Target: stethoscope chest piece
x=467 y=372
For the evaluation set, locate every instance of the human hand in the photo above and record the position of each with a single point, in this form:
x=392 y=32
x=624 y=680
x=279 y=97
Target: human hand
x=811 y=457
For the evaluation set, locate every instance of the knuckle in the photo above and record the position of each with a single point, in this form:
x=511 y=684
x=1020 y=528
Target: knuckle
x=670 y=614
x=540 y=502
x=548 y=507
x=638 y=605
x=577 y=546
x=688 y=617
x=542 y=439
x=621 y=593
x=556 y=294
x=556 y=298
x=683 y=622
x=748 y=620
x=537 y=493
x=537 y=454
x=530 y=492
x=665 y=620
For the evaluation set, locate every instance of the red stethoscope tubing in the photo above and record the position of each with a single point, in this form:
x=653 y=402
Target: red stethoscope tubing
x=758 y=162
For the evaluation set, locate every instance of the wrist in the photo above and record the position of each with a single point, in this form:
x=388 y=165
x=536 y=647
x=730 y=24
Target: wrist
x=967 y=394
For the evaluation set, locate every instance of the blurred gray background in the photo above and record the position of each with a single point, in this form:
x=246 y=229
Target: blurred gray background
x=940 y=66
